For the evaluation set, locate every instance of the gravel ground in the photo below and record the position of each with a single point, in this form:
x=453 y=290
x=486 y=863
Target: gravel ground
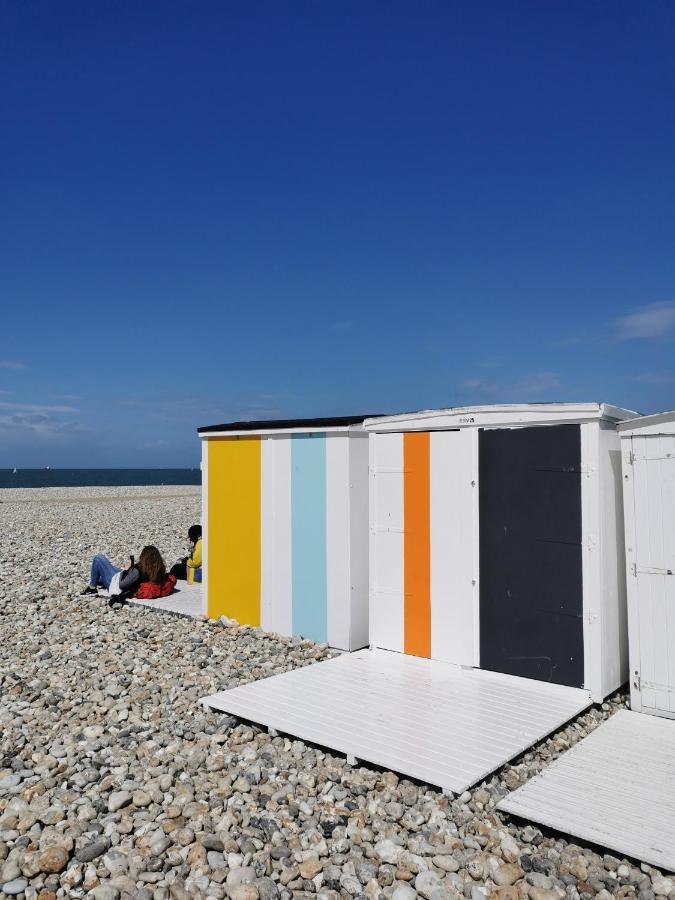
x=115 y=783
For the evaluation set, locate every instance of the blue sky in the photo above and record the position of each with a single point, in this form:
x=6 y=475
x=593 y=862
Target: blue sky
x=254 y=209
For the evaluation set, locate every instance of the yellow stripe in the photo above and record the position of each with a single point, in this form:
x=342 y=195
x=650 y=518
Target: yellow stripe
x=233 y=535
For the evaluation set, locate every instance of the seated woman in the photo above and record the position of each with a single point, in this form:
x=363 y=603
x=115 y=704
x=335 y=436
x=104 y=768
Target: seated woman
x=194 y=560
x=145 y=580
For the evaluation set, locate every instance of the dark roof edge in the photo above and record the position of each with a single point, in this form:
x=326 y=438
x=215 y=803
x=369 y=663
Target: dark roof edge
x=286 y=424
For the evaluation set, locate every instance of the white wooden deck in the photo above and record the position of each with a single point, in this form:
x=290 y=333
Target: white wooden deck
x=186 y=600
x=615 y=788
x=432 y=721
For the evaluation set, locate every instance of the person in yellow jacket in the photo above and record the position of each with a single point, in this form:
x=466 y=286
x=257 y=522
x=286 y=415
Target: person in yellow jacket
x=194 y=560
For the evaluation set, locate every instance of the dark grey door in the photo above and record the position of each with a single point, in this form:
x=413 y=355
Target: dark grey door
x=531 y=602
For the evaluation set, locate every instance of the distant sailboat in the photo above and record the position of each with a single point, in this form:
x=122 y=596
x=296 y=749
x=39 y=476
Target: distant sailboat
x=14 y=472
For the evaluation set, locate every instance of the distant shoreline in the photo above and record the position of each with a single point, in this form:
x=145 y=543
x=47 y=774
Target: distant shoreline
x=95 y=494
x=129 y=477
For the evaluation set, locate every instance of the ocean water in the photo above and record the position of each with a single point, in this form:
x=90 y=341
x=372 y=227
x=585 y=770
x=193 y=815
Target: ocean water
x=29 y=478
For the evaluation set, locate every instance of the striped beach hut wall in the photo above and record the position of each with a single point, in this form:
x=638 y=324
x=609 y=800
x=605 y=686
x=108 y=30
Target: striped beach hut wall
x=285 y=516
x=496 y=540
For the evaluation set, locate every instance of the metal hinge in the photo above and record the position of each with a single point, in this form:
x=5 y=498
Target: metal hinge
x=651 y=570
x=636 y=681
x=633 y=569
x=631 y=457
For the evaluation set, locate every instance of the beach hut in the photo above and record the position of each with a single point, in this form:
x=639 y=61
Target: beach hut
x=577 y=793
x=285 y=520
x=648 y=459
x=496 y=540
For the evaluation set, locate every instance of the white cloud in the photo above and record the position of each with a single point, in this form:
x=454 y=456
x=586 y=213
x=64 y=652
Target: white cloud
x=481 y=385
x=536 y=384
x=654 y=378
x=12 y=364
x=189 y=412
x=490 y=364
x=37 y=419
x=653 y=322
x=35 y=408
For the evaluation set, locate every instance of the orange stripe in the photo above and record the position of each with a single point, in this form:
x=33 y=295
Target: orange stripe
x=416 y=538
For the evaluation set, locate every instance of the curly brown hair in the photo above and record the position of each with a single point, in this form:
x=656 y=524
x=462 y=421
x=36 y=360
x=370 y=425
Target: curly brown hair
x=151 y=565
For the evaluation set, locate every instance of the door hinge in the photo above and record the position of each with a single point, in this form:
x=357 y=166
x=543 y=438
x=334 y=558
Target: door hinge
x=631 y=457
x=633 y=570
x=636 y=681
x=651 y=570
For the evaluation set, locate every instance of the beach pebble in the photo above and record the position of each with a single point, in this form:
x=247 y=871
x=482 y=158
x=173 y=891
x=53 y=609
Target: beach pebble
x=54 y=859
x=15 y=886
x=118 y=799
x=92 y=850
x=115 y=782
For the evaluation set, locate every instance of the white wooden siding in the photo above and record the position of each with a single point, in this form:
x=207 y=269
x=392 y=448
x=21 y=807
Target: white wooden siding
x=358 y=537
x=276 y=581
x=613 y=615
x=268 y=579
x=337 y=541
x=452 y=508
x=205 y=521
x=653 y=557
x=386 y=626
x=590 y=559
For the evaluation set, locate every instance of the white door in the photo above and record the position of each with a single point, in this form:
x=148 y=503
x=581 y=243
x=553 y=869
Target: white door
x=651 y=574
x=452 y=547
x=386 y=541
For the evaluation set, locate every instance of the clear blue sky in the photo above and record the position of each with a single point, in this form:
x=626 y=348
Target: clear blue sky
x=221 y=210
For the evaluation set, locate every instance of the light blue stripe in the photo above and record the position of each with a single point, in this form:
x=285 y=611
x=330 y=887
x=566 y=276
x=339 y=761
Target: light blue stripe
x=308 y=536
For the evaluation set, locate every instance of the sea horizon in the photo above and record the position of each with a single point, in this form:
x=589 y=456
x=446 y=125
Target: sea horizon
x=120 y=476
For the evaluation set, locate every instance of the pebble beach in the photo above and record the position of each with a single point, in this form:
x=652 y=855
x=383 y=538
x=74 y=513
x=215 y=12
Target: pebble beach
x=116 y=783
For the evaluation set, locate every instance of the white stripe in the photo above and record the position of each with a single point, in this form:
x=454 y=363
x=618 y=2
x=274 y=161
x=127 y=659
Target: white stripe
x=386 y=533
x=358 y=540
x=275 y=535
x=205 y=530
x=282 y=621
x=337 y=541
x=590 y=560
x=451 y=512
x=267 y=533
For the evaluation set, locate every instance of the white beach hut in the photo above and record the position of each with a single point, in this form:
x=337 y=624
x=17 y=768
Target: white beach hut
x=497 y=594
x=497 y=540
x=285 y=526
x=577 y=794
x=648 y=457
